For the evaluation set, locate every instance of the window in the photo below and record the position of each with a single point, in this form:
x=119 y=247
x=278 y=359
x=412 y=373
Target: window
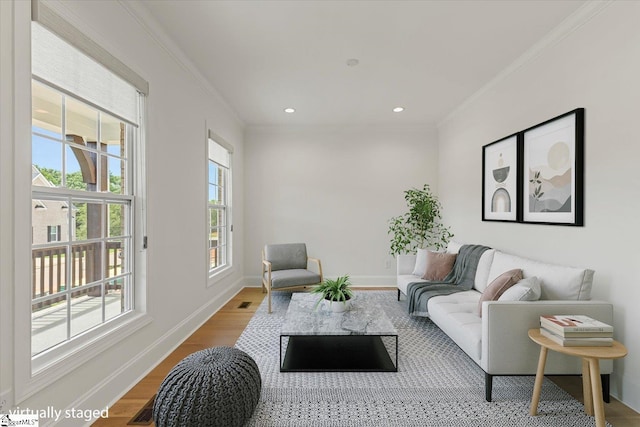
x=218 y=210
x=53 y=233
x=83 y=160
x=85 y=151
x=85 y=142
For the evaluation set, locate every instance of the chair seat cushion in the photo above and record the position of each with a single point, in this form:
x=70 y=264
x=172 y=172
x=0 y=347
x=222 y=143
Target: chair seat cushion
x=295 y=277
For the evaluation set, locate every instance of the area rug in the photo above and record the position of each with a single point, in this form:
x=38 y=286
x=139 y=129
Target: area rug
x=437 y=384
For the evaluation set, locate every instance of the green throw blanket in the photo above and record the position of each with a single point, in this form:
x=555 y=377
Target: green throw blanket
x=461 y=278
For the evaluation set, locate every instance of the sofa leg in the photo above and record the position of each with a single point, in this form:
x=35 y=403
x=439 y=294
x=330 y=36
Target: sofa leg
x=398 y=294
x=488 y=386
x=606 y=387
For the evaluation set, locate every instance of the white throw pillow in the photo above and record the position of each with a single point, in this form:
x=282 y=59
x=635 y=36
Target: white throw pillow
x=527 y=289
x=421 y=263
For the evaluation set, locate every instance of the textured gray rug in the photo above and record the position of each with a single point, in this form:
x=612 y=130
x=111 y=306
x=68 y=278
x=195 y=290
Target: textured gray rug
x=436 y=383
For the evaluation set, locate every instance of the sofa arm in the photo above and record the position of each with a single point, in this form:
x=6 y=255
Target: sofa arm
x=506 y=347
x=405 y=264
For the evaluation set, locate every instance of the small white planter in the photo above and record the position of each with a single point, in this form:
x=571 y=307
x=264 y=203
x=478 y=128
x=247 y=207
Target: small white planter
x=337 y=306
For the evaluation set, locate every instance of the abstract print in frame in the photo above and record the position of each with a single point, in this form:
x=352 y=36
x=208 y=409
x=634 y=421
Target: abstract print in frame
x=500 y=180
x=553 y=161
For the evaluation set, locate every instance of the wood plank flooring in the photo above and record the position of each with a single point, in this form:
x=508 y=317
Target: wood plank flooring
x=224 y=328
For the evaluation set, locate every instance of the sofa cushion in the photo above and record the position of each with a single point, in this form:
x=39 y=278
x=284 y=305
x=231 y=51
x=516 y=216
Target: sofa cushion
x=439 y=264
x=556 y=282
x=421 y=263
x=456 y=315
x=525 y=290
x=499 y=285
x=482 y=271
x=403 y=281
x=454 y=247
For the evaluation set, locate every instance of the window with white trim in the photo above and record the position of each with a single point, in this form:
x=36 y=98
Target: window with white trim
x=218 y=207
x=53 y=233
x=85 y=148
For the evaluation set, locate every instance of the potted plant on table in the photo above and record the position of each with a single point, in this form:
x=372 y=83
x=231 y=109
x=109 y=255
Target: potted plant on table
x=336 y=292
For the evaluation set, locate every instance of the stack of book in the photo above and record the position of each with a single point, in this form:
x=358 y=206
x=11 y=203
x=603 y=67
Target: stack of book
x=573 y=330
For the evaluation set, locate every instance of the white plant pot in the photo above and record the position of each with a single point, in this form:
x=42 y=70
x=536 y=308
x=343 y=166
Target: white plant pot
x=337 y=306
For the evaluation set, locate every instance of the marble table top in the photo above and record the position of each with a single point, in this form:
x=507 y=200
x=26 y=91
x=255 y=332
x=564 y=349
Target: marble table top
x=364 y=317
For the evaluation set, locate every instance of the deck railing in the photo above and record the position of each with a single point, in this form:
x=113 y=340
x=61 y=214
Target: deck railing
x=49 y=270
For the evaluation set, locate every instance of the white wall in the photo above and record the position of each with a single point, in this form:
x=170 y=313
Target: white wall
x=6 y=208
x=335 y=189
x=595 y=67
x=178 y=298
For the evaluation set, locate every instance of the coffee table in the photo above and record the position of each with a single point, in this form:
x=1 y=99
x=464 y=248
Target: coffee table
x=319 y=340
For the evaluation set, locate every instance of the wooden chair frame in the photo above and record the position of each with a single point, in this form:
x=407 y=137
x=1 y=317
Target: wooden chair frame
x=266 y=281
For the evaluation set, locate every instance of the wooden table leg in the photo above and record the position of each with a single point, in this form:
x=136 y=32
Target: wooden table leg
x=596 y=391
x=586 y=388
x=537 y=387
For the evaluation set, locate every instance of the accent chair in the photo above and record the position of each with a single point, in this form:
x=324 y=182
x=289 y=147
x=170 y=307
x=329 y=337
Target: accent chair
x=285 y=267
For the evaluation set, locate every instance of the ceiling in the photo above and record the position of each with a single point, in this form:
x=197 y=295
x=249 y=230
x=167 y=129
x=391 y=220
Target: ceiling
x=426 y=56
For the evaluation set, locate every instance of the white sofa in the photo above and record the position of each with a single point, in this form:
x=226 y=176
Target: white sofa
x=497 y=341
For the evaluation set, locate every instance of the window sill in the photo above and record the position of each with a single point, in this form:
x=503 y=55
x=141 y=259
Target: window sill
x=53 y=364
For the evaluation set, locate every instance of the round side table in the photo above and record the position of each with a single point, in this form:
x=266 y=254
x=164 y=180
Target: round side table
x=591 y=382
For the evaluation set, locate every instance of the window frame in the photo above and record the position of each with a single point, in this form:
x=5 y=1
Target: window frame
x=214 y=274
x=101 y=197
x=53 y=233
x=33 y=374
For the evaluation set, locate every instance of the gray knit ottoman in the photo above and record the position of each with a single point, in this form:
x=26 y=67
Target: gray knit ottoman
x=218 y=386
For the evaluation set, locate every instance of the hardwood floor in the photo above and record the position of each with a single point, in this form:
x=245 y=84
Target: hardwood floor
x=224 y=328
x=616 y=413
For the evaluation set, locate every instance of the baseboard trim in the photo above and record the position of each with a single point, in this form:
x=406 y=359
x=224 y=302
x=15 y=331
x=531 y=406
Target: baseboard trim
x=6 y=400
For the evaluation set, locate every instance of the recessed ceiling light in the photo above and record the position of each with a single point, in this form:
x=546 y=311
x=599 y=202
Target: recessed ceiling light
x=398 y=109
x=289 y=110
x=352 y=62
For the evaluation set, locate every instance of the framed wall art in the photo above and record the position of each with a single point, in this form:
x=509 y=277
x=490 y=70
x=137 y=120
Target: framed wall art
x=500 y=180
x=553 y=167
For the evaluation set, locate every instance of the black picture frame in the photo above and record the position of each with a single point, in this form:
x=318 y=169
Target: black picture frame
x=500 y=180
x=552 y=169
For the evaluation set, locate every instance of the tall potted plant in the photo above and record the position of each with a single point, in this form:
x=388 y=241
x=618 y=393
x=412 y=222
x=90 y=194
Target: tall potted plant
x=421 y=226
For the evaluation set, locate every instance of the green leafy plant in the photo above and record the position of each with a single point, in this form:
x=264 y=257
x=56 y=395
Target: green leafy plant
x=334 y=290
x=421 y=226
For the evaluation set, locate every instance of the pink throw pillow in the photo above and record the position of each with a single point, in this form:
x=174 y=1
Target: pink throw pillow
x=439 y=264
x=499 y=285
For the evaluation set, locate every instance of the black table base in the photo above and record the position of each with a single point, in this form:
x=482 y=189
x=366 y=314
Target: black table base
x=341 y=353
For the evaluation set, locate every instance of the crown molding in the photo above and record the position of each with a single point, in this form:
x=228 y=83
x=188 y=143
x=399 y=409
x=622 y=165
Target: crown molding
x=570 y=24
x=332 y=128
x=159 y=35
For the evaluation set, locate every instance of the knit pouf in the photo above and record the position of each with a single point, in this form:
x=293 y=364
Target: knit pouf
x=218 y=386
